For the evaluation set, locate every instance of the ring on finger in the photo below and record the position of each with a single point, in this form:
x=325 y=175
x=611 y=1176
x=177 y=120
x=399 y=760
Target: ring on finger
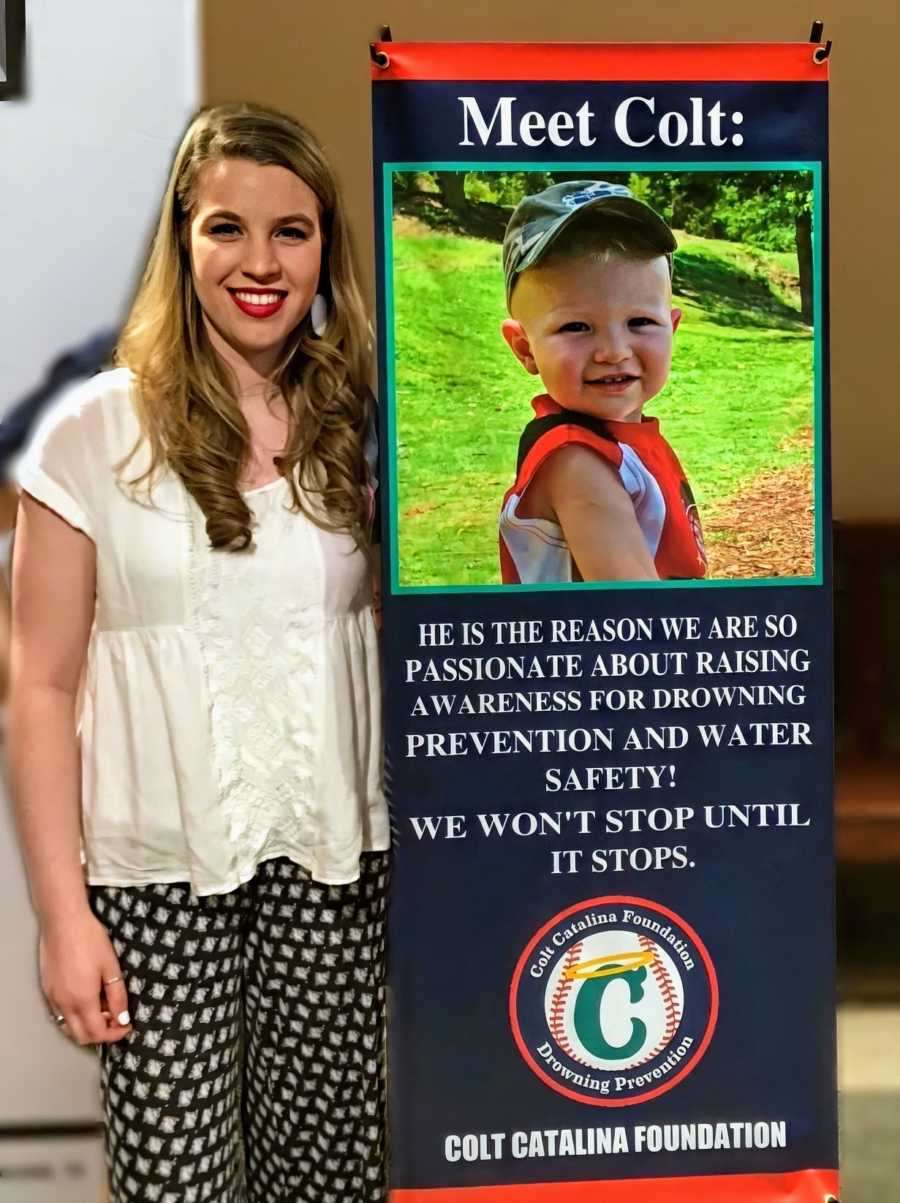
x=111 y=981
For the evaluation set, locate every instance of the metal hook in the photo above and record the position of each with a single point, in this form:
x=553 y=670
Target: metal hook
x=821 y=53
x=379 y=58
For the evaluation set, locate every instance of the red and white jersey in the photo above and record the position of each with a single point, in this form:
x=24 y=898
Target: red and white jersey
x=534 y=550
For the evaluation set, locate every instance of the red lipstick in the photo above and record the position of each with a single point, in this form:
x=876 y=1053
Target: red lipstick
x=258 y=302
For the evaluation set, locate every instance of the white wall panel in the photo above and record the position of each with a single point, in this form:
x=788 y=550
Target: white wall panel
x=83 y=158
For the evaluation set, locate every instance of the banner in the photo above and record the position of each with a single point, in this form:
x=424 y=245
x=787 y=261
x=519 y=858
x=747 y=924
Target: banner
x=602 y=329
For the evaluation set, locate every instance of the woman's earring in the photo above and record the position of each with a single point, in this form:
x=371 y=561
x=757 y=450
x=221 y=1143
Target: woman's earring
x=318 y=314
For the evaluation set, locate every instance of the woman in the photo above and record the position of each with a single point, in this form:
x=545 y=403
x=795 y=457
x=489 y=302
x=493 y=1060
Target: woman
x=192 y=591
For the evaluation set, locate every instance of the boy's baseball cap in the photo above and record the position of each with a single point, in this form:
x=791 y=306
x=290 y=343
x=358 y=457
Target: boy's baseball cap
x=538 y=220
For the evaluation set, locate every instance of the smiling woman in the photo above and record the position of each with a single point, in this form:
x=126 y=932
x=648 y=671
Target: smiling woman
x=251 y=208
x=195 y=695
x=261 y=262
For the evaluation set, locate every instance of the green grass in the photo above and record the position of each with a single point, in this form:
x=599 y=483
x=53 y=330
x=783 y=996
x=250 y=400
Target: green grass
x=739 y=394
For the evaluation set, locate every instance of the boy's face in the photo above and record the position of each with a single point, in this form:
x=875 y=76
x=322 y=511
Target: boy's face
x=597 y=332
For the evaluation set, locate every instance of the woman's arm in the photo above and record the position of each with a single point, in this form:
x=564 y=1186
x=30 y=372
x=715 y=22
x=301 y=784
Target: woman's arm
x=8 y=503
x=596 y=515
x=54 y=571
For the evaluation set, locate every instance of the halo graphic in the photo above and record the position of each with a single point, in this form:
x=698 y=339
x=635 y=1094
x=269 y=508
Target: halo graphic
x=610 y=965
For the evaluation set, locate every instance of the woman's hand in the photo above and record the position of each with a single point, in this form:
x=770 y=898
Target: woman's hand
x=82 y=980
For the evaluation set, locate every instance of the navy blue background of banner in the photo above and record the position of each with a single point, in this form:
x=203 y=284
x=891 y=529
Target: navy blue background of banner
x=761 y=900
x=423 y=121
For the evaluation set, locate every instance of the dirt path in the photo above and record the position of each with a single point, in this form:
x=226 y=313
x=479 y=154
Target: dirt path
x=767 y=530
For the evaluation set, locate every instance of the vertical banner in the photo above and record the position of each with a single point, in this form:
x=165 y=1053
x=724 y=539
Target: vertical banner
x=602 y=328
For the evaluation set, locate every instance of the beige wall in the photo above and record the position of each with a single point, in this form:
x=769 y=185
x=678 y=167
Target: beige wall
x=312 y=60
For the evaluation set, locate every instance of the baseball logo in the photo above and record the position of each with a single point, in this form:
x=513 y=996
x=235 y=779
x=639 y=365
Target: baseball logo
x=693 y=516
x=613 y=1001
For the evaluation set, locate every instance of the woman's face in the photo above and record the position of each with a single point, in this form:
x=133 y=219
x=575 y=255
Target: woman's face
x=256 y=251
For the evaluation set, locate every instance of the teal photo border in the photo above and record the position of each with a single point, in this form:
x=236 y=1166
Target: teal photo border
x=388 y=169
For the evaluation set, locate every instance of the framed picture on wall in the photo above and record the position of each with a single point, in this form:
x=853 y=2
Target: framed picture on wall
x=12 y=48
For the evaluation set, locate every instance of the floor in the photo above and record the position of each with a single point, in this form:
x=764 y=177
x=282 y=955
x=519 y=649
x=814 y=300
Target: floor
x=869 y=1077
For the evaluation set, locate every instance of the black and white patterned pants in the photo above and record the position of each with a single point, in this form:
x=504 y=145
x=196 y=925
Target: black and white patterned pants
x=255 y=1069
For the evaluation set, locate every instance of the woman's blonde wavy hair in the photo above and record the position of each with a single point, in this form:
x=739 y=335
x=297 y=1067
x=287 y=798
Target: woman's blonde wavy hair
x=186 y=397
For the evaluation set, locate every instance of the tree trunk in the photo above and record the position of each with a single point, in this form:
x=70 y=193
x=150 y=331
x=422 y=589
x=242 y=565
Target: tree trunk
x=453 y=190
x=481 y=219
x=803 y=235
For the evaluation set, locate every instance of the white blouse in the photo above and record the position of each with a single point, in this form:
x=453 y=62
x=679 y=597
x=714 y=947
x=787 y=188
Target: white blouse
x=230 y=707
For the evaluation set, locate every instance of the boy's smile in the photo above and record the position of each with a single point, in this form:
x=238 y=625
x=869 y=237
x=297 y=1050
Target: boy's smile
x=597 y=330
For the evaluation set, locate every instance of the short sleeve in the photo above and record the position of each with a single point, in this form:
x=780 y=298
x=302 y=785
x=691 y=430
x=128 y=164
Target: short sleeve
x=60 y=465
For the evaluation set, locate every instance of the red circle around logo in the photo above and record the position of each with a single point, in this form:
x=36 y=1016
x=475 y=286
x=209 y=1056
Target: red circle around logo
x=683 y=1070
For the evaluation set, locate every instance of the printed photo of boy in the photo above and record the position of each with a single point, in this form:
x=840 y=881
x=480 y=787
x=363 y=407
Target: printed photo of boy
x=599 y=494
x=583 y=364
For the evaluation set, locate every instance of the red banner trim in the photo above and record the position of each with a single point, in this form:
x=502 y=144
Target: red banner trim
x=612 y=62
x=806 y=1186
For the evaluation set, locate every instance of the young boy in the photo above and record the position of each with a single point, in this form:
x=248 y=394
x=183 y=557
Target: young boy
x=599 y=494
